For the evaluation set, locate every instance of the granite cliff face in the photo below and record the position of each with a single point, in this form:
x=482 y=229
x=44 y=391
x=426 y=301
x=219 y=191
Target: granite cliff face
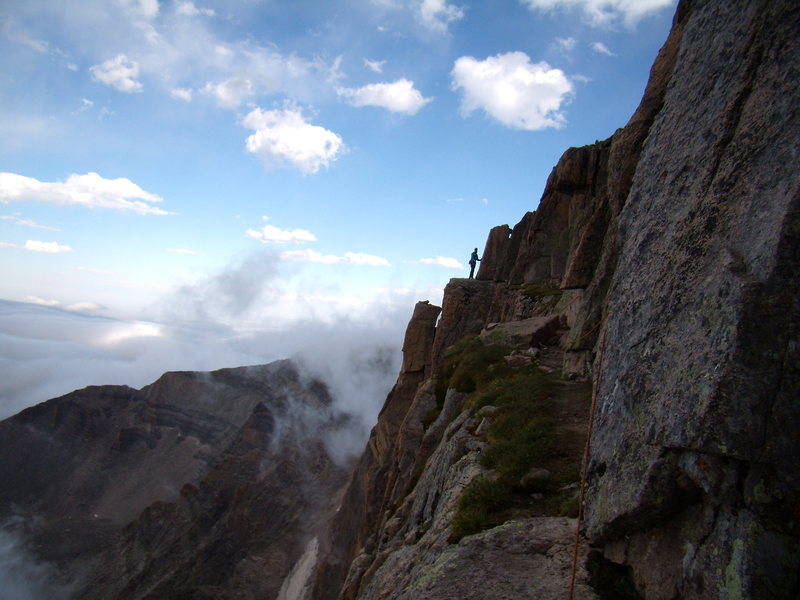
x=668 y=256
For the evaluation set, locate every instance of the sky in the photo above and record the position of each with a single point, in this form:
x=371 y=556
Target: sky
x=203 y=184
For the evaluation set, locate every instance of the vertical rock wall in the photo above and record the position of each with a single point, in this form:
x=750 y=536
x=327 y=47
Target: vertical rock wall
x=695 y=481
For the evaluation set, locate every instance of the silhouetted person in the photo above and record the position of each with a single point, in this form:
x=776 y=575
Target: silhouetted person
x=472 y=260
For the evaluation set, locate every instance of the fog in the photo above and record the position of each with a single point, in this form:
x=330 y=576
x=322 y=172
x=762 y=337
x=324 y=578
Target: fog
x=22 y=577
x=244 y=314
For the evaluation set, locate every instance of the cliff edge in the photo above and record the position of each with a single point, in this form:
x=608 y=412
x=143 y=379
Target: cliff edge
x=661 y=264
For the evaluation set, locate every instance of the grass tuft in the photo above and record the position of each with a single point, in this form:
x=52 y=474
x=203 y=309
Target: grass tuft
x=480 y=507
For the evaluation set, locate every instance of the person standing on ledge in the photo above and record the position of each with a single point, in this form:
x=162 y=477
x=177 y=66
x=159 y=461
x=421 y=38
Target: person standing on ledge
x=472 y=260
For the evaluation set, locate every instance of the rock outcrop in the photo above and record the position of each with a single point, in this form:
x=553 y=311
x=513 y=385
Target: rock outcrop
x=695 y=457
x=670 y=253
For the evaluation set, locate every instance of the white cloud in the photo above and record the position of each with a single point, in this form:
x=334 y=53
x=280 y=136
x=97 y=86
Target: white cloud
x=183 y=251
x=376 y=66
x=147 y=9
x=27 y=223
x=565 y=45
x=90 y=190
x=184 y=94
x=84 y=306
x=399 y=96
x=48 y=247
x=349 y=258
x=188 y=9
x=41 y=301
x=119 y=72
x=359 y=258
x=284 y=136
x=230 y=93
x=442 y=261
x=601 y=48
x=604 y=12
x=436 y=15
x=517 y=93
x=86 y=104
x=269 y=234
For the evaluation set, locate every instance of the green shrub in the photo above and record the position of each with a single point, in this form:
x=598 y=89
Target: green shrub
x=516 y=446
x=469 y=365
x=480 y=507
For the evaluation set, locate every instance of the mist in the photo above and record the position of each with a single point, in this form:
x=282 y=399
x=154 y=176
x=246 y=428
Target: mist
x=23 y=577
x=253 y=311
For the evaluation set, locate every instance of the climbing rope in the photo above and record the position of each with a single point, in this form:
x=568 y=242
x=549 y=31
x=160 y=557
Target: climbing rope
x=584 y=473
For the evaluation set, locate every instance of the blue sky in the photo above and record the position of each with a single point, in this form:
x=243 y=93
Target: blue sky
x=255 y=164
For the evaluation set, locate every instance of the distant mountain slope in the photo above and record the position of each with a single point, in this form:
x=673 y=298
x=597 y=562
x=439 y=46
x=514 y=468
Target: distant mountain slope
x=198 y=461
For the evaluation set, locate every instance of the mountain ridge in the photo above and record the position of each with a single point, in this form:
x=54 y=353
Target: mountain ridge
x=654 y=293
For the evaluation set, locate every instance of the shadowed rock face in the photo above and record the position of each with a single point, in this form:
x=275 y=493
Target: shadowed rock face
x=697 y=429
x=219 y=477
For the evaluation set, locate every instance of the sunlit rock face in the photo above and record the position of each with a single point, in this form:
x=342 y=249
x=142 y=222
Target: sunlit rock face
x=201 y=484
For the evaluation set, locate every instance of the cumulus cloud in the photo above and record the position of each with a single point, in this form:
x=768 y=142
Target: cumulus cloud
x=89 y=190
x=48 y=247
x=283 y=136
x=230 y=93
x=349 y=258
x=601 y=48
x=269 y=234
x=437 y=15
x=119 y=72
x=517 y=93
x=376 y=66
x=604 y=12
x=400 y=96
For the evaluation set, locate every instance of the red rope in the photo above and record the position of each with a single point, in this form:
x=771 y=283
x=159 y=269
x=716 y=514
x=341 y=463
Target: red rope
x=584 y=474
